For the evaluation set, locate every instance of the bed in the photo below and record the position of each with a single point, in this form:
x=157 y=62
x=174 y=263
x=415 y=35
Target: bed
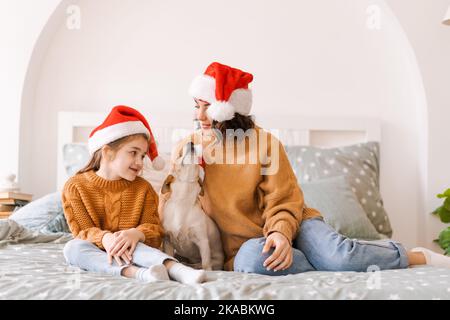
x=32 y=265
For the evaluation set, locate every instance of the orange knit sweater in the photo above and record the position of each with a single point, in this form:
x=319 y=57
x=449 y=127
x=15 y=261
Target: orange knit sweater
x=94 y=206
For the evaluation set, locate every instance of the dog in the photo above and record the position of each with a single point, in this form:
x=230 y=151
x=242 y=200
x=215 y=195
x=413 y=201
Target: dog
x=191 y=235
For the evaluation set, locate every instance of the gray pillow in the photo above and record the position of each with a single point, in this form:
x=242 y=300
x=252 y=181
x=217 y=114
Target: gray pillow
x=360 y=165
x=45 y=214
x=75 y=156
x=58 y=224
x=340 y=208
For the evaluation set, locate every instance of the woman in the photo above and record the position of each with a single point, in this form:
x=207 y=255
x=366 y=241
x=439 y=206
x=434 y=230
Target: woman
x=265 y=225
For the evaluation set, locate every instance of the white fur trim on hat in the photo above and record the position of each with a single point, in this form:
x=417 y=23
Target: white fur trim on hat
x=240 y=102
x=241 y=99
x=115 y=132
x=203 y=87
x=221 y=111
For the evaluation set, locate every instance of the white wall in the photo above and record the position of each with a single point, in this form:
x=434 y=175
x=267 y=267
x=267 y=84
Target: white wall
x=21 y=22
x=311 y=58
x=430 y=39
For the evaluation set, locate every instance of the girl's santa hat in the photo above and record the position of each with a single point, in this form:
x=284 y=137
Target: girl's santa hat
x=124 y=121
x=226 y=89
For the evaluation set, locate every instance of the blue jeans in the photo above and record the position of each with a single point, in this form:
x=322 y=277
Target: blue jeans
x=87 y=256
x=318 y=247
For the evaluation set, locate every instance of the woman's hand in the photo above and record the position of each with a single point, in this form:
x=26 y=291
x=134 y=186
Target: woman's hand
x=125 y=242
x=282 y=256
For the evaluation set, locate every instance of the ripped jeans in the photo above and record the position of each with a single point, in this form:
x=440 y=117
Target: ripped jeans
x=318 y=247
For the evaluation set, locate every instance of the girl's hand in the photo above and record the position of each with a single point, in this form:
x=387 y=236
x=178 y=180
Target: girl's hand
x=282 y=256
x=125 y=242
x=108 y=243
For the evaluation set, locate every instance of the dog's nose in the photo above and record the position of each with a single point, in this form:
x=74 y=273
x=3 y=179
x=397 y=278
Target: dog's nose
x=191 y=146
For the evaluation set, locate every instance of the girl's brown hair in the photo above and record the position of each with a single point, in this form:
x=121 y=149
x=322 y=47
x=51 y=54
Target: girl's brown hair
x=96 y=159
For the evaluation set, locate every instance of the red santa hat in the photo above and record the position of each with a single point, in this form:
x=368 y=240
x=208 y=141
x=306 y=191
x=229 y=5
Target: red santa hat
x=124 y=121
x=226 y=89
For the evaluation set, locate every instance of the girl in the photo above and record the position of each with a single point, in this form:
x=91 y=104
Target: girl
x=112 y=212
x=265 y=225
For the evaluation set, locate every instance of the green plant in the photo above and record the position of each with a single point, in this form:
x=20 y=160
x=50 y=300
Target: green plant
x=444 y=214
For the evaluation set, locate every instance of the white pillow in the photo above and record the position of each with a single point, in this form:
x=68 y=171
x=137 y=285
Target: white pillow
x=45 y=214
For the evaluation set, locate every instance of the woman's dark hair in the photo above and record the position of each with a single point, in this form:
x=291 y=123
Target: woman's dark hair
x=238 y=122
x=96 y=159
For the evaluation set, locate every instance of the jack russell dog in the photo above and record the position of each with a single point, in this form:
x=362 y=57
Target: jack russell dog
x=191 y=235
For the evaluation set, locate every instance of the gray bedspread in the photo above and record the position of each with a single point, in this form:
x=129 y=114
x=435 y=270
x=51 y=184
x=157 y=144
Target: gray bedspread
x=32 y=266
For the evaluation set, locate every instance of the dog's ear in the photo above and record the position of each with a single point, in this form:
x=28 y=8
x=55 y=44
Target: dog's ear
x=202 y=192
x=166 y=185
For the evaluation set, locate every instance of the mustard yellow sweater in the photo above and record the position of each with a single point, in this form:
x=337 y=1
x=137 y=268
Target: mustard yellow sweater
x=94 y=206
x=246 y=204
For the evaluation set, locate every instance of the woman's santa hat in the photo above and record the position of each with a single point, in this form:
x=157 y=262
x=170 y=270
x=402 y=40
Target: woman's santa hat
x=226 y=89
x=124 y=121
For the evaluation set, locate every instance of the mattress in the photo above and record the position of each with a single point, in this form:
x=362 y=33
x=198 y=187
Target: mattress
x=38 y=271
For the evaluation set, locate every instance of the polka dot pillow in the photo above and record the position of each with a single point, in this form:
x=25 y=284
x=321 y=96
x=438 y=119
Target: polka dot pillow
x=358 y=163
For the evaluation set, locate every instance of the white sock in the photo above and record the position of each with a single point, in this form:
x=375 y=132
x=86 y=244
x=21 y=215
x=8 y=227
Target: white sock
x=152 y=274
x=186 y=275
x=433 y=258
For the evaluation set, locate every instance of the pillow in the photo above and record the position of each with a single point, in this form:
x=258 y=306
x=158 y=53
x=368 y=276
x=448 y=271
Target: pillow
x=75 y=157
x=58 y=224
x=340 y=208
x=360 y=165
x=44 y=215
